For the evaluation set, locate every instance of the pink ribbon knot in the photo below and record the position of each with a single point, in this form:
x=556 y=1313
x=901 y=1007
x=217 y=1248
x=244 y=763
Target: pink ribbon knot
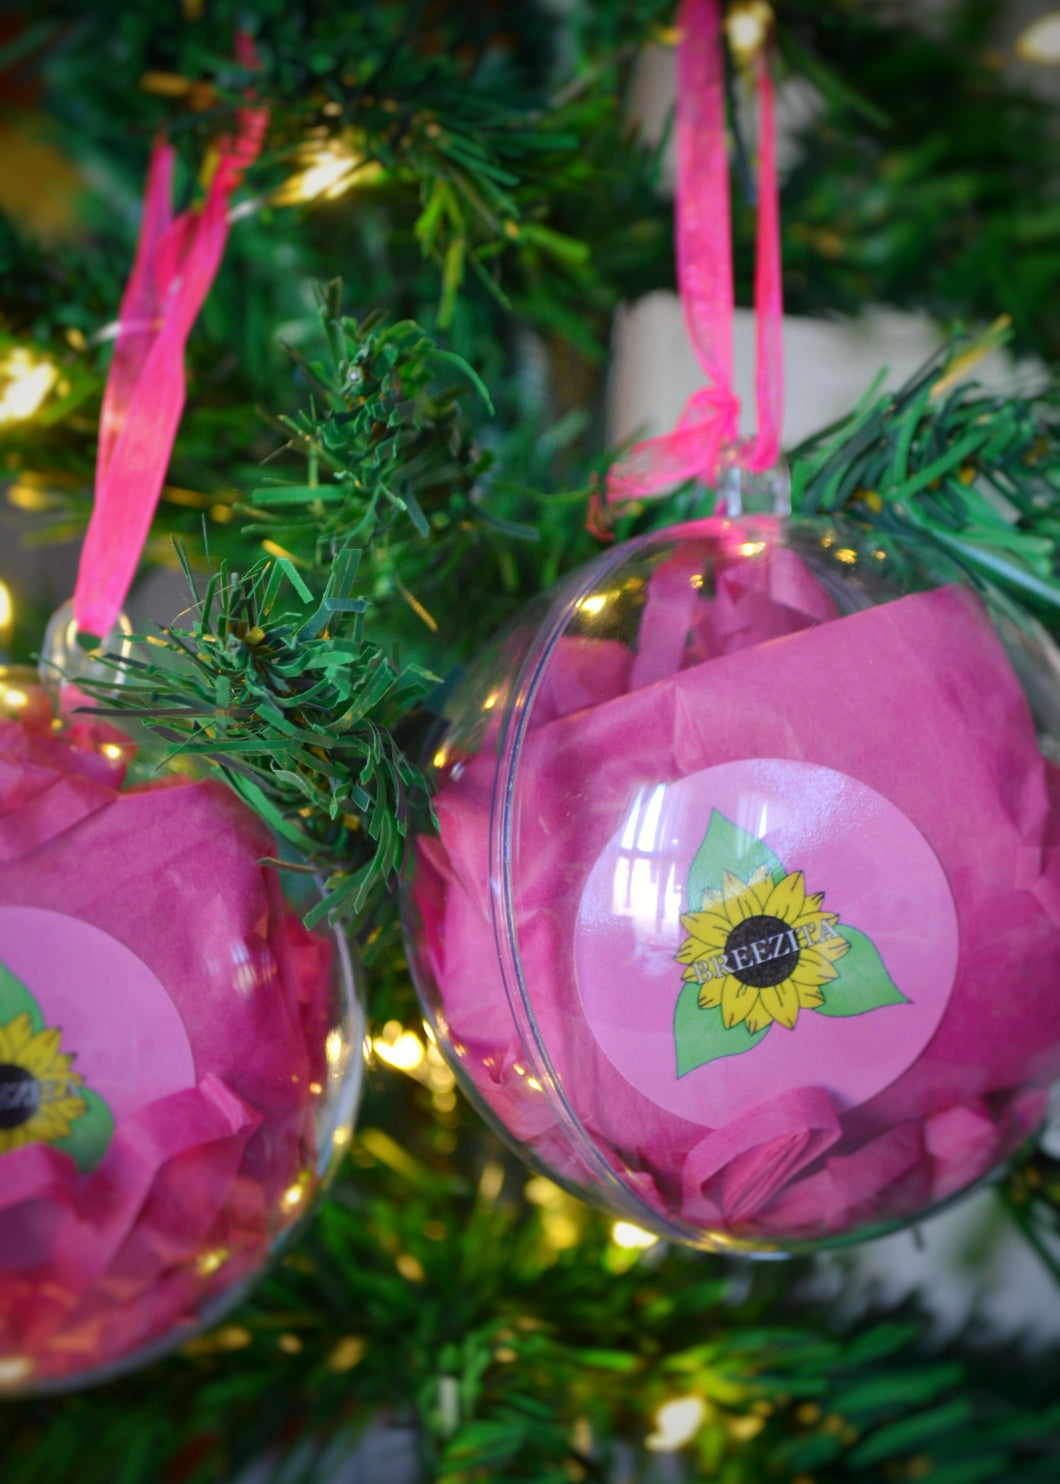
x=707 y=436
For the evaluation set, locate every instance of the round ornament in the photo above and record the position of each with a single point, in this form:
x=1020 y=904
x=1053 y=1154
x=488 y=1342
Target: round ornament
x=179 y=1057
x=743 y=917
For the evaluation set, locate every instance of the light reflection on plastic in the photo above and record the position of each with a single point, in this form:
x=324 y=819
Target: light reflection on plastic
x=594 y=604
x=752 y=815
x=645 y=881
x=334 y=1047
x=245 y=978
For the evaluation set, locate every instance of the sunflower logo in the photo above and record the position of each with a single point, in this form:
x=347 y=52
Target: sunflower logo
x=40 y=1097
x=761 y=950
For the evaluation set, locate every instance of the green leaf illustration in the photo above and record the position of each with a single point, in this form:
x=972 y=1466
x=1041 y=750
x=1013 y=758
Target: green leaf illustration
x=863 y=983
x=726 y=847
x=15 y=999
x=89 y=1135
x=700 y=1035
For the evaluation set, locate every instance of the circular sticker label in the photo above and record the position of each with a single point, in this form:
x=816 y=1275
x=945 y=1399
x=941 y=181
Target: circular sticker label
x=762 y=926
x=87 y=1034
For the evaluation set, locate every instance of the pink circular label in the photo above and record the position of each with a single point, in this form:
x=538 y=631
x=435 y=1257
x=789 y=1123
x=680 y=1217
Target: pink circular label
x=762 y=926
x=88 y=1034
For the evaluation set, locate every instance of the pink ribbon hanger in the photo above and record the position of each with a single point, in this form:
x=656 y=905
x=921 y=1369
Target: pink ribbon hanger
x=176 y=261
x=707 y=440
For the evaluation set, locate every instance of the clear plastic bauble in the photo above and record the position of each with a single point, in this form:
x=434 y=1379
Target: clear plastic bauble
x=743 y=917
x=179 y=1058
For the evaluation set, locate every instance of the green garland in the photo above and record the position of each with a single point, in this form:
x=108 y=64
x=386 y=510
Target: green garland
x=400 y=519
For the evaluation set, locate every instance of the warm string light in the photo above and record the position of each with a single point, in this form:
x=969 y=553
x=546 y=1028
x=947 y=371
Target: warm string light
x=625 y=1234
x=25 y=381
x=406 y=1052
x=561 y=1215
x=329 y=168
x=7 y=615
x=676 y=1423
x=747 y=25
x=1040 y=41
x=14 y=1369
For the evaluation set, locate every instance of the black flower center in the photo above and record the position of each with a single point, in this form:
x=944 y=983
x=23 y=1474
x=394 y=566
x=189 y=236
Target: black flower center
x=19 y=1095
x=762 y=951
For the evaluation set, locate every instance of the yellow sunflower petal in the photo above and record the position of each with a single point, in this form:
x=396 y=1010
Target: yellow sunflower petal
x=812 y=968
x=758 y=1019
x=46 y=1124
x=788 y=898
x=741 y=900
x=709 y=928
x=41 y=1051
x=710 y=994
x=782 y=1002
x=13 y=1036
x=738 y=1000
x=809 y=996
x=833 y=948
x=762 y=877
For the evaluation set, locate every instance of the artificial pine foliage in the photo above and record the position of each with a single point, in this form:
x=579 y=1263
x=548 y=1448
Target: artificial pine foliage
x=369 y=479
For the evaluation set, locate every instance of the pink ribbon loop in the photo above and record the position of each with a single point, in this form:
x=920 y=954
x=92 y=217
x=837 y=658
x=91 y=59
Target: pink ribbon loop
x=707 y=435
x=176 y=261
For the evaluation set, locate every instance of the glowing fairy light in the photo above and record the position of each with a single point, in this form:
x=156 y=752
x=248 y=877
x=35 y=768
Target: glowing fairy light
x=292 y=1197
x=14 y=1369
x=208 y=1263
x=24 y=384
x=328 y=169
x=625 y=1234
x=405 y=1051
x=747 y=25
x=1040 y=41
x=7 y=609
x=676 y=1423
